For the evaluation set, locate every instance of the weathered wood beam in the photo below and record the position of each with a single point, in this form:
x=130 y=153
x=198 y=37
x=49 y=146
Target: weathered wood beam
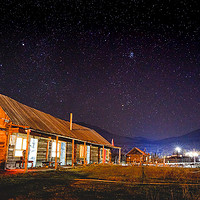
x=72 y=152
x=56 y=159
x=8 y=133
x=27 y=148
x=85 y=153
x=75 y=151
x=103 y=160
x=119 y=155
x=99 y=159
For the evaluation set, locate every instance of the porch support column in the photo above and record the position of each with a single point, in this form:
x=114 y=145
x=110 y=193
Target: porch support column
x=27 y=148
x=103 y=155
x=7 y=145
x=119 y=155
x=99 y=159
x=73 y=153
x=85 y=153
x=56 y=159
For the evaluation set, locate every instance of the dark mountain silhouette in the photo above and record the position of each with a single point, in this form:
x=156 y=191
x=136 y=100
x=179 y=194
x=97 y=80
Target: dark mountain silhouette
x=127 y=143
x=166 y=146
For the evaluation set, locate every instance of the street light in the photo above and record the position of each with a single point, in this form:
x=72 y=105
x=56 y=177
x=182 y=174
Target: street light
x=178 y=149
x=192 y=154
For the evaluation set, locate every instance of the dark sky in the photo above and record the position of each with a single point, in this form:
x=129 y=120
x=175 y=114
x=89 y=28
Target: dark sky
x=130 y=67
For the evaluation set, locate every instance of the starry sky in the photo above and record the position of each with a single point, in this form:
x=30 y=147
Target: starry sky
x=129 y=67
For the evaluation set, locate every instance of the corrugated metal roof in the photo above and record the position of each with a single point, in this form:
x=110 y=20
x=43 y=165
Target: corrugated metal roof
x=21 y=114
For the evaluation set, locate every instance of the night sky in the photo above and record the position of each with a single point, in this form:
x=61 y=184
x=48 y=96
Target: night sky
x=129 y=67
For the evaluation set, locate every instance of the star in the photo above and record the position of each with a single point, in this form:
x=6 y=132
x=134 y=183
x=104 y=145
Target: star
x=131 y=55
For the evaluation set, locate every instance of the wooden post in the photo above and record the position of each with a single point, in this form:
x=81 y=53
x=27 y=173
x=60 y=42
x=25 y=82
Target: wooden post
x=70 y=122
x=85 y=153
x=99 y=155
x=119 y=155
x=90 y=154
x=7 y=145
x=72 y=152
x=27 y=148
x=56 y=159
x=103 y=161
x=110 y=156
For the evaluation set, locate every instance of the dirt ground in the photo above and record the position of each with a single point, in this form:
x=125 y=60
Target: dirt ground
x=101 y=182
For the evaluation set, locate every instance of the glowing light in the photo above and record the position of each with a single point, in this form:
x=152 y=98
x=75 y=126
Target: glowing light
x=192 y=154
x=131 y=55
x=178 y=149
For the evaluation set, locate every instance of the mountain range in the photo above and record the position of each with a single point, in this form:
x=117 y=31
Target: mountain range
x=187 y=142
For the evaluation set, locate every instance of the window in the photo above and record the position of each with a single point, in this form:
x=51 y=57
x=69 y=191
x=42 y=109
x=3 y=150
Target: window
x=53 y=152
x=20 y=146
x=12 y=139
x=81 y=151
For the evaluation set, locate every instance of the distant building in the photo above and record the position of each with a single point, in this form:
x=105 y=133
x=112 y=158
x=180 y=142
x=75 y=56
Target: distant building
x=180 y=159
x=137 y=156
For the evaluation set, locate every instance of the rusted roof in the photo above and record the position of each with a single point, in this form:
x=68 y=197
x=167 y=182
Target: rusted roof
x=134 y=150
x=21 y=114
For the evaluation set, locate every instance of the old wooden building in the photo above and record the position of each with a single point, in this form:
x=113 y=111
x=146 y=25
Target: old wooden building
x=31 y=138
x=137 y=156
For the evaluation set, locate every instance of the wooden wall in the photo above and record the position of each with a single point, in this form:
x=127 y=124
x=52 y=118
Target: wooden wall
x=94 y=154
x=135 y=158
x=49 y=150
x=3 y=142
x=69 y=153
x=11 y=158
x=3 y=138
x=78 y=159
x=41 y=151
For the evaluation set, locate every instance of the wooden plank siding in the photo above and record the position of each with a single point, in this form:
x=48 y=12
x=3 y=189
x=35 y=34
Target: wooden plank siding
x=69 y=153
x=78 y=159
x=41 y=151
x=4 y=119
x=94 y=154
x=11 y=159
x=3 y=142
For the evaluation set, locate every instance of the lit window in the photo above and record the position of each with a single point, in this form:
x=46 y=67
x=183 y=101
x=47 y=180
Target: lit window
x=24 y=144
x=19 y=143
x=20 y=146
x=53 y=152
x=81 y=151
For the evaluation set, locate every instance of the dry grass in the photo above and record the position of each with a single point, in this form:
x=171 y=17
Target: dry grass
x=63 y=184
x=144 y=174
